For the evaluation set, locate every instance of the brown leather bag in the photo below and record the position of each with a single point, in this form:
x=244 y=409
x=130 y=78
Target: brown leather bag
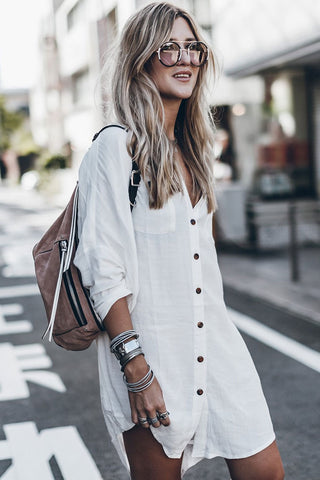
x=73 y=323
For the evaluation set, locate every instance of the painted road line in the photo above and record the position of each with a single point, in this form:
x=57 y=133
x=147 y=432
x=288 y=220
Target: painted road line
x=13 y=326
x=276 y=340
x=30 y=452
x=24 y=364
x=11 y=309
x=19 y=291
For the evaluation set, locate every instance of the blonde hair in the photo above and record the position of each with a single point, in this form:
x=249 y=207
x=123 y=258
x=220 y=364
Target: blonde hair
x=137 y=105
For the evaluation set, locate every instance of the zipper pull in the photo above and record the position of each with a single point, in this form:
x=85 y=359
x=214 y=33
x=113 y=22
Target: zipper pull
x=63 y=245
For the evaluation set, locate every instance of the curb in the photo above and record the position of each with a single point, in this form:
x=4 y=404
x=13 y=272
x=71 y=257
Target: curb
x=285 y=305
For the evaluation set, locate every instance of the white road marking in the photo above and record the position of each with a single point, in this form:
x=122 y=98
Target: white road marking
x=19 y=291
x=276 y=340
x=17 y=259
x=17 y=326
x=11 y=309
x=25 y=363
x=30 y=452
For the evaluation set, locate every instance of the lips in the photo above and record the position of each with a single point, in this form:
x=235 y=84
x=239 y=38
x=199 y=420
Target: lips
x=182 y=74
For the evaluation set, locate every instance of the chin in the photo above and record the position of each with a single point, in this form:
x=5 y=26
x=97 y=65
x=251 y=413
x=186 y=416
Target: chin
x=178 y=95
x=185 y=93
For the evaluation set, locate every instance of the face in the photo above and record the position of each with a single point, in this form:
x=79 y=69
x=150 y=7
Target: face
x=178 y=82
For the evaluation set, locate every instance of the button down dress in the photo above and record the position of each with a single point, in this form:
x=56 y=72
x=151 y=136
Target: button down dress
x=164 y=261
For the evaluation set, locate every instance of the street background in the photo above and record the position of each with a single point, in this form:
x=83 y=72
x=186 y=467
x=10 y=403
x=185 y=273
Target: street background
x=266 y=105
x=50 y=389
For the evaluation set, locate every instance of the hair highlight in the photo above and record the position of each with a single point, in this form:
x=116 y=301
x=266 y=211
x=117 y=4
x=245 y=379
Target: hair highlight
x=136 y=104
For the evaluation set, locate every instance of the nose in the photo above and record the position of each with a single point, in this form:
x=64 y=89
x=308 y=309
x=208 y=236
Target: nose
x=185 y=57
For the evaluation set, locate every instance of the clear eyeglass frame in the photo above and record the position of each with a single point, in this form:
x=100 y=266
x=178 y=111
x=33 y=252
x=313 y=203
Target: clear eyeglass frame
x=197 y=47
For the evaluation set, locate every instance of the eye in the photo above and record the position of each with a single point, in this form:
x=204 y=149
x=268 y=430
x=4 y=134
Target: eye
x=169 y=47
x=196 y=47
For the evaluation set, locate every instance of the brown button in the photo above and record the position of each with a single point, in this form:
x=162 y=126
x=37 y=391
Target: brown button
x=200 y=359
x=199 y=391
x=198 y=290
x=200 y=324
x=196 y=256
x=192 y=221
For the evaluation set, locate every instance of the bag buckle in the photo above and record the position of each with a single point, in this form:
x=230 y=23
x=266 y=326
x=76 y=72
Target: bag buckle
x=133 y=184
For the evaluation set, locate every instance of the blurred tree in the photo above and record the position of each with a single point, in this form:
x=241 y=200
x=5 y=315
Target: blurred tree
x=55 y=162
x=9 y=123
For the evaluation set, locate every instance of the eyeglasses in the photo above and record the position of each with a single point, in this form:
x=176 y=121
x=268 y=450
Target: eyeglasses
x=170 y=53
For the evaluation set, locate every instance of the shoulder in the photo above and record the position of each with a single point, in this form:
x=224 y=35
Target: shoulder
x=111 y=135
x=108 y=152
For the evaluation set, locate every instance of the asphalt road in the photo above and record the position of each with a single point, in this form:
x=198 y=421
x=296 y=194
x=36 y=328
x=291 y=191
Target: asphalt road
x=51 y=423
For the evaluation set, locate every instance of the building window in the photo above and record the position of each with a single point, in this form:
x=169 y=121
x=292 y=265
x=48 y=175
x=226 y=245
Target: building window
x=80 y=87
x=75 y=14
x=107 y=31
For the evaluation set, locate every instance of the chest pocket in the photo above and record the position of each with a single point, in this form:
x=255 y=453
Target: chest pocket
x=152 y=221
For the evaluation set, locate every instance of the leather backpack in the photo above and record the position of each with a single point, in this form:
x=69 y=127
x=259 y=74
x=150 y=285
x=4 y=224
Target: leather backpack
x=72 y=321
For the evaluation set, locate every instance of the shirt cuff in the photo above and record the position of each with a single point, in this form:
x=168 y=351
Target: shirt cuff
x=103 y=301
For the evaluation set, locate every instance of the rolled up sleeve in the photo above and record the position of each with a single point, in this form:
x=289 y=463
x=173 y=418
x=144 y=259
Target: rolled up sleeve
x=106 y=254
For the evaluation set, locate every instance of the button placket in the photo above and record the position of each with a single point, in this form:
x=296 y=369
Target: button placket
x=199 y=342
x=195 y=263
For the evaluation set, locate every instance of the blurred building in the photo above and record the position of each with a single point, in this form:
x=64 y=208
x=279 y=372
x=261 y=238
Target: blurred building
x=16 y=100
x=280 y=42
x=66 y=102
x=275 y=151
x=267 y=101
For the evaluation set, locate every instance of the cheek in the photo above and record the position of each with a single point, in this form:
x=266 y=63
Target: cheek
x=196 y=77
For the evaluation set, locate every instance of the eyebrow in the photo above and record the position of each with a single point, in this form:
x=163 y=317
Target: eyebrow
x=190 y=39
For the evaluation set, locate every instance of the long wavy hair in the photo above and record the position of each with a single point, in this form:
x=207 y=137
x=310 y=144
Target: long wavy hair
x=137 y=104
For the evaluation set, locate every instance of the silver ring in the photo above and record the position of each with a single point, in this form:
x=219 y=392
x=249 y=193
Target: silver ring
x=153 y=420
x=163 y=415
x=143 y=420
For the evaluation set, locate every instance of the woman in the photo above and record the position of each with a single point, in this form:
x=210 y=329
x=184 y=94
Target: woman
x=154 y=273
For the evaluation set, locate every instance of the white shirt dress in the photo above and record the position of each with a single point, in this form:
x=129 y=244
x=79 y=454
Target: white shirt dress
x=164 y=261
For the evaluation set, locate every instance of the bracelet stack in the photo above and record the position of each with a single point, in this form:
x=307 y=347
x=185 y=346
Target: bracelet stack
x=141 y=384
x=125 y=346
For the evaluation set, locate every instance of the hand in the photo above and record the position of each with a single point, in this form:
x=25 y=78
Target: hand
x=148 y=403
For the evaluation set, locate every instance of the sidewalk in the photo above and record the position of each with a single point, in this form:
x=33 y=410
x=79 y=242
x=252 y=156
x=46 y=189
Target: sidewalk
x=267 y=276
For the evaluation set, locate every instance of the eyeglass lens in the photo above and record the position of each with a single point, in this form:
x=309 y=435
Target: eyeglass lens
x=169 y=53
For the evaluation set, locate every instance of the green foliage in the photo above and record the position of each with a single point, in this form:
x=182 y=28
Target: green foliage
x=9 y=123
x=55 y=162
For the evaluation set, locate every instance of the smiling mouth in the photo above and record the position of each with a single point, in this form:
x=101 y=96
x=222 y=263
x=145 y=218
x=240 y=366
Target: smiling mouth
x=182 y=75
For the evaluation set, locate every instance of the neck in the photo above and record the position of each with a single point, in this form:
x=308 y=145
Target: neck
x=171 y=109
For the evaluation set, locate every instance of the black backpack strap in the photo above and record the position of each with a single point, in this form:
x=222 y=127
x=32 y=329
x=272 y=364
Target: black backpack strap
x=134 y=183
x=96 y=135
x=135 y=176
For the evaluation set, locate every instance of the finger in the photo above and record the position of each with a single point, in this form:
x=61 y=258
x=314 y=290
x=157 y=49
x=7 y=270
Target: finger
x=163 y=415
x=153 y=419
x=143 y=419
x=164 y=421
x=134 y=417
x=134 y=413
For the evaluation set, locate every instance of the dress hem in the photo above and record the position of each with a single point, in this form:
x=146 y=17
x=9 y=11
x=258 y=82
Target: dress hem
x=189 y=460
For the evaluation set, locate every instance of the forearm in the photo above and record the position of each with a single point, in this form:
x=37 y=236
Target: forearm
x=148 y=402
x=118 y=320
